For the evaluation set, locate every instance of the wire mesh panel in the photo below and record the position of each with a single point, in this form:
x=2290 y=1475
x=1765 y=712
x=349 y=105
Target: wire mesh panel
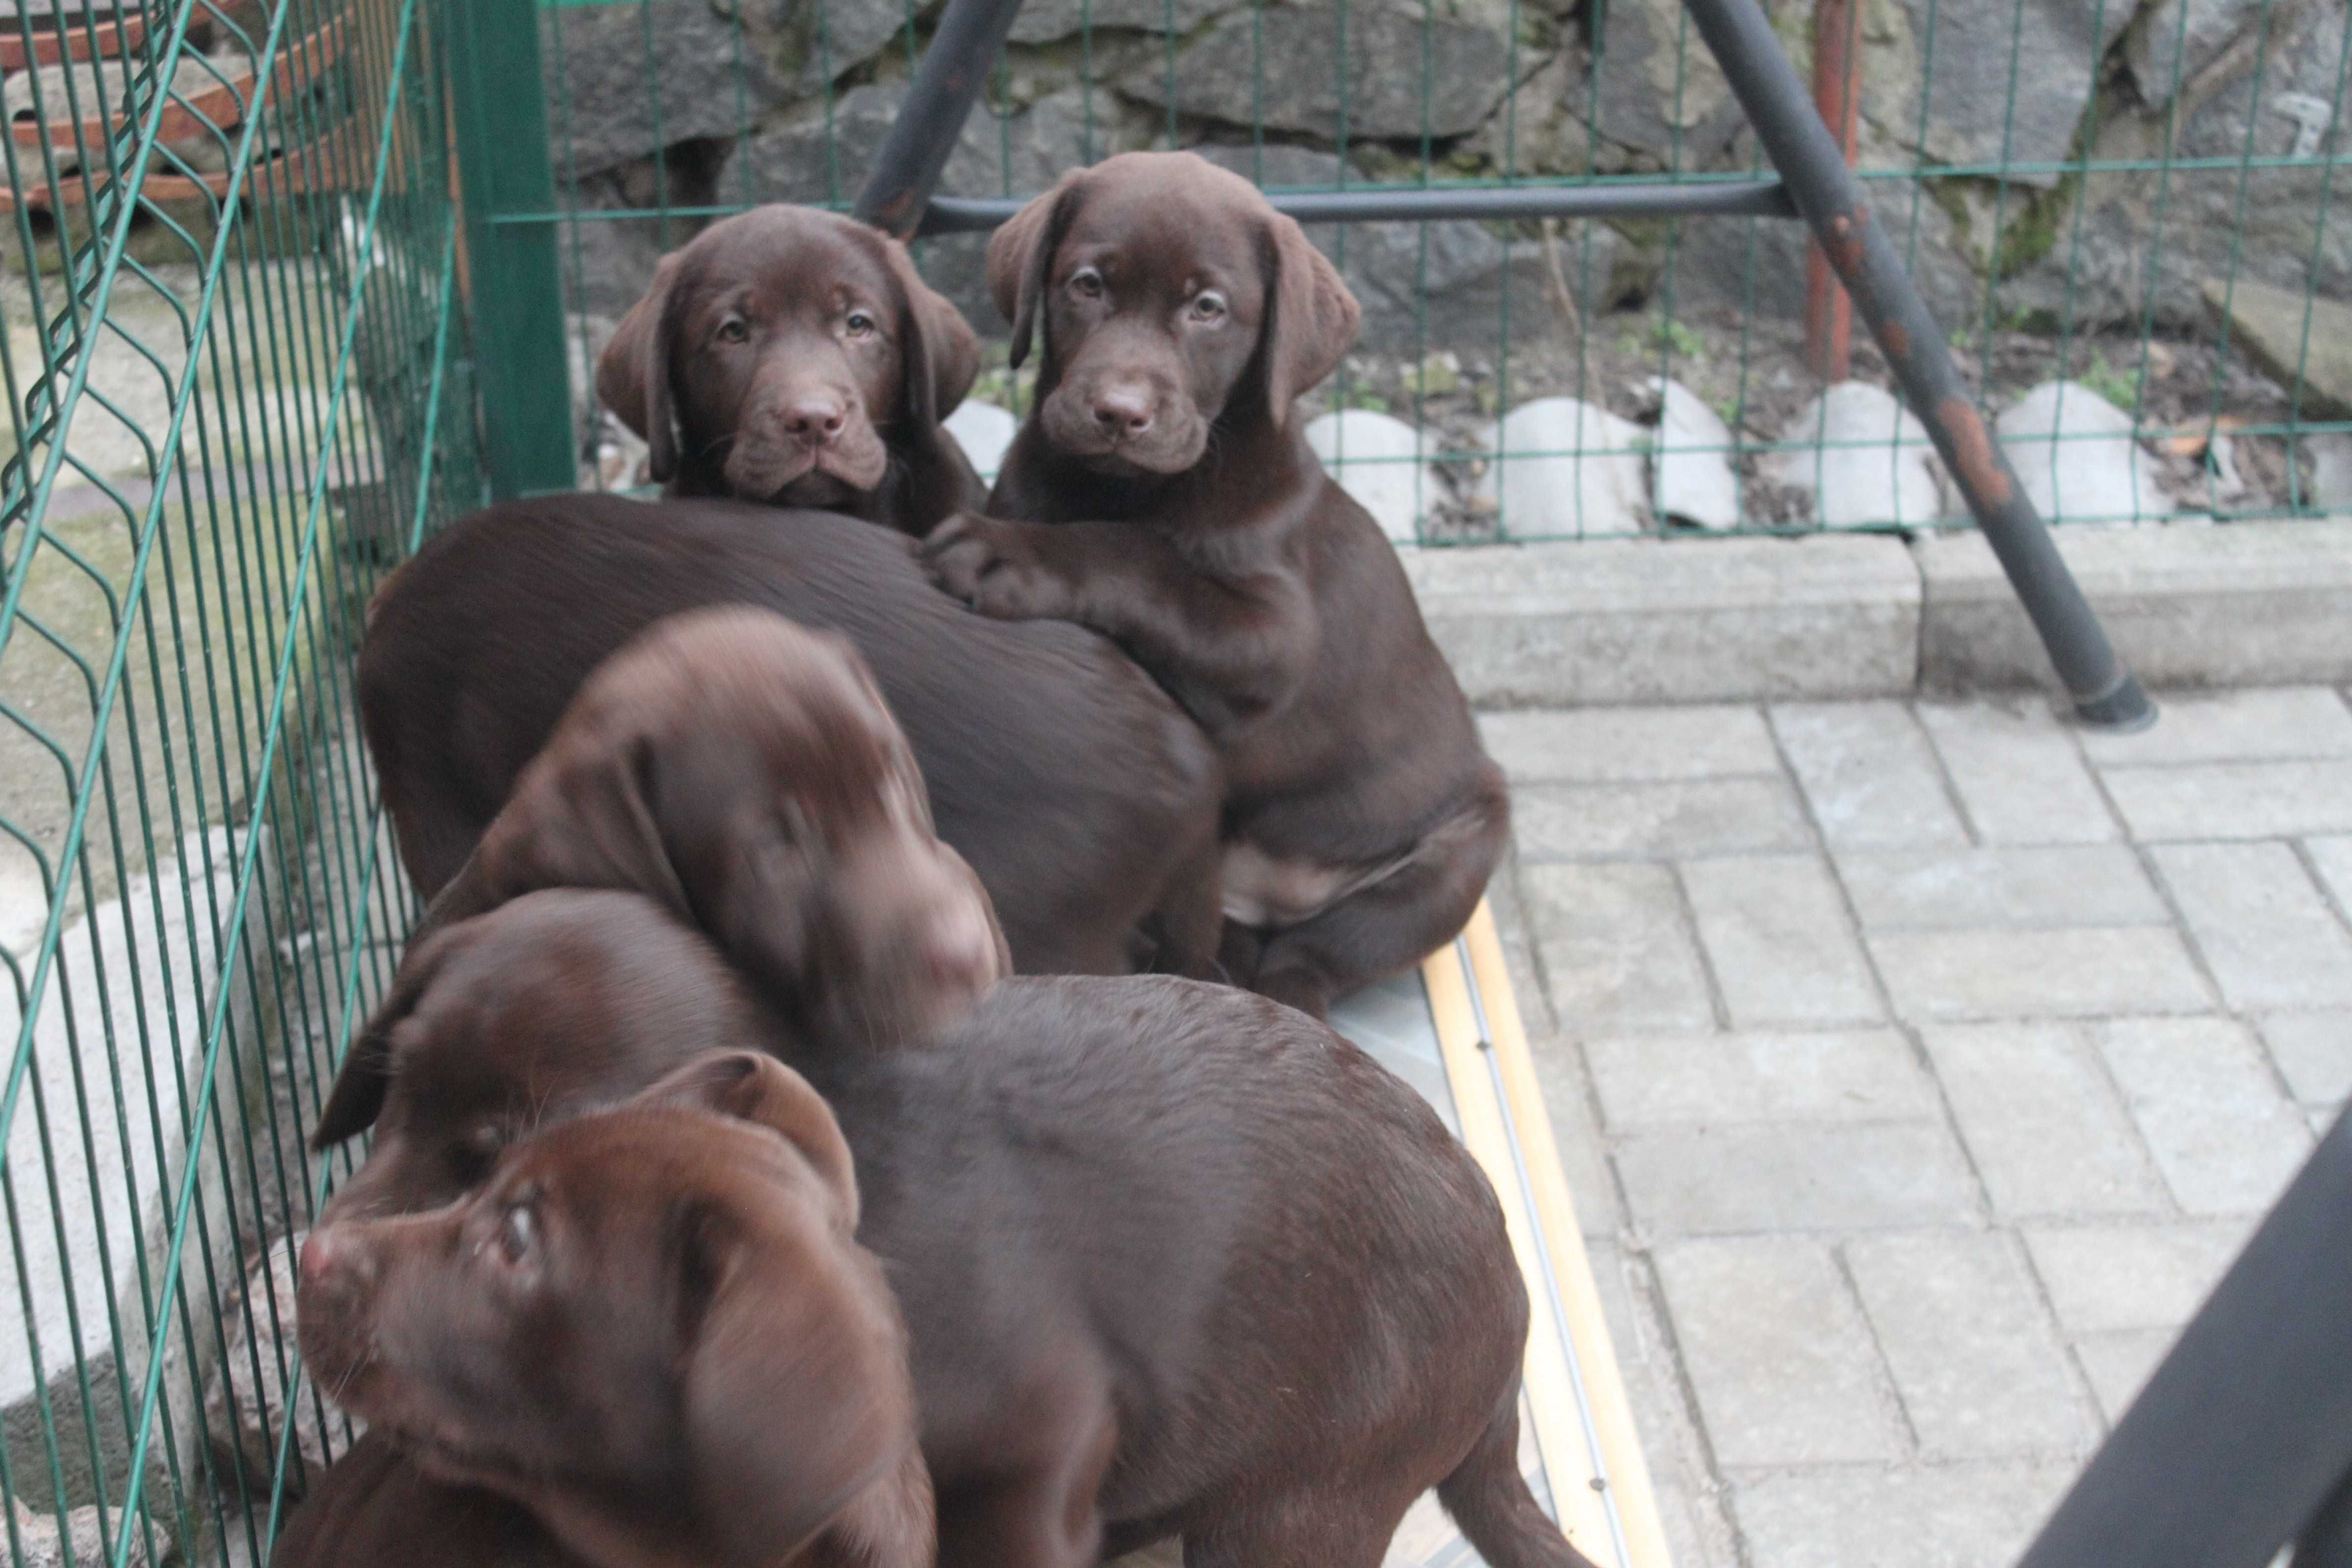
x=235 y=393
x=2121 y=209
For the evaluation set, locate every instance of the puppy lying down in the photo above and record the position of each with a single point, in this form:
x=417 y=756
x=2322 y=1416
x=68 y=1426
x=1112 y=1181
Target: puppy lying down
x=1173 y=1259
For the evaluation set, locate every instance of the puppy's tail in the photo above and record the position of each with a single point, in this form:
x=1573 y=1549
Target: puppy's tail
x=1489 y=1499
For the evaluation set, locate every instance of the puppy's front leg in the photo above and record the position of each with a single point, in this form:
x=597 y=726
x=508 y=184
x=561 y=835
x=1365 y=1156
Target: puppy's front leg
x=1229 y=645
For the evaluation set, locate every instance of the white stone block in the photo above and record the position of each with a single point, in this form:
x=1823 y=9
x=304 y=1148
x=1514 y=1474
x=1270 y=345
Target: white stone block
x=1863 y=457
x=983 y=431
x=1565 y=469
x=2074 y=452
x=1381 y=461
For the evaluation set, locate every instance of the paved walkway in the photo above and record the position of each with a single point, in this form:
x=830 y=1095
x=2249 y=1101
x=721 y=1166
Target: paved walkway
x=1918 y=1067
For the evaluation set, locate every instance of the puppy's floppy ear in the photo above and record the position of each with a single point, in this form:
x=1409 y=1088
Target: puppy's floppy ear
x=583 y=815
x=1020 y=252
x=750 y=1087
x=357 y=1098
x=902 y=754
x=1313 y=317
x=939 y=356
x=797 y=1399
x=633 y=372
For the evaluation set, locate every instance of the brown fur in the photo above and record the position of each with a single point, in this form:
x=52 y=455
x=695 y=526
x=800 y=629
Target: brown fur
x=651 y=1328
x=1079 y=791
x=746 y=774
x=795 y=357
x=1173 y=1259
x=1162 y=493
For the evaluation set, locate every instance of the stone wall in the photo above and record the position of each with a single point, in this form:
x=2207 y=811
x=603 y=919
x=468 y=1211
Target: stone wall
x=697 y=102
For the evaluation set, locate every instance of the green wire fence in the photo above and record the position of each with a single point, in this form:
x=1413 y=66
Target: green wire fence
x=238 y=387
x=254 y=348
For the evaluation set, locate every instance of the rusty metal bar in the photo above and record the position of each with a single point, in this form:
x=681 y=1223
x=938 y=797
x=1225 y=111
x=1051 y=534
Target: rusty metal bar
x=1829 y=308
x=1810 y=160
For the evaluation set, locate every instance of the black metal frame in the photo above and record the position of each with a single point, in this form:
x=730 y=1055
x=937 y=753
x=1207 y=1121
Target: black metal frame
x=1814 y=184
x=2241 y=1441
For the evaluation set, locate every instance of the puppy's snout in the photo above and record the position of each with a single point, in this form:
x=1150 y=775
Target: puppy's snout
x=1123 y=410
x=814 y=420
x=960 y=950
x=333 y=1259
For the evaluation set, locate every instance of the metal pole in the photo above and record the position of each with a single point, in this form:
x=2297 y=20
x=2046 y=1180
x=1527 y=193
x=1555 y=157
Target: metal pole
x=1829 y=308
x=947 y=85
x=2246 y=1427
x=1808 y=157
x=2326 y=1541
x=1372 y=204
x=515 y=292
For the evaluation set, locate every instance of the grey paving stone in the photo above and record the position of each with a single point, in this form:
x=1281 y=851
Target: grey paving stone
x=2106 y=1277
x=2234 y=800
x=1777 y=1352
x=1859 y=1075
x=2045 y=1128
x=1776 y=933
x=1795 y=1175
x=1975 y=1360
x=1627 y=746
x=1960 y=975
x=2222 y=1132
x=1615 y=950
x=1869 y=774
x=2118 y=1362
x=2053 y=885
x=1583 y=1158
x=2266 y=933
x=2018 y=774
x=2333 y=858
x=2233 y=726
x=1977 y=1515
x=1672 y=817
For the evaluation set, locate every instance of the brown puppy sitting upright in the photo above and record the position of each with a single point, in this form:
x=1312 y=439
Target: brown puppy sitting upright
x=745 y=772
x=795 y=357
x=1162 y=493
x=652 y=1328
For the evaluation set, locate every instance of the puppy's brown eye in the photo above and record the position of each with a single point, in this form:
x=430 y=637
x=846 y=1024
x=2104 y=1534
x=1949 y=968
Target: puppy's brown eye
x=734 y=329
x=518 y=1233
x=860 y=325
x=1086 y=283
x=1208 y=306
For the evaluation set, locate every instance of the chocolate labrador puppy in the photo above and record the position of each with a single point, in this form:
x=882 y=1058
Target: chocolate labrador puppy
x=1173 y=1259
x=1161 y=493
x=1082 y=795
x=795 y=357
x=745 y=772
x=651 y=1328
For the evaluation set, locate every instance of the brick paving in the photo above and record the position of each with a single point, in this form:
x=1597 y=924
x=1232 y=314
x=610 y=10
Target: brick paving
x=1918 y=1067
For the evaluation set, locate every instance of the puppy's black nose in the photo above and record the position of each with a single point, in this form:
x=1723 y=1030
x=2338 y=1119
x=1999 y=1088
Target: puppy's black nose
x=814 y=421
x=1123 y=411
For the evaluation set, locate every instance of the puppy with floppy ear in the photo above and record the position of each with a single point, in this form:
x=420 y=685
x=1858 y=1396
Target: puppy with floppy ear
x=744 y=773
x=797 y=357
x=652 y=1329
x=1162 y=492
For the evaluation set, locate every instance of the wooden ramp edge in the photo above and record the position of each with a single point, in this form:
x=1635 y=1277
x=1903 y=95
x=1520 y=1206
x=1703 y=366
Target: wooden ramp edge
x=1584 y=1425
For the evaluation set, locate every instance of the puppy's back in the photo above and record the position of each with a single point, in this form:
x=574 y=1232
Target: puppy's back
x=1055 y=765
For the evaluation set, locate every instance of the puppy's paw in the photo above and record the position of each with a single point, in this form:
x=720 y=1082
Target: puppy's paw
x=995 y=565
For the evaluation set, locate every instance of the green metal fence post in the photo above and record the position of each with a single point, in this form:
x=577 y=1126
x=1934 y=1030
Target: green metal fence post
x=517 y=300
